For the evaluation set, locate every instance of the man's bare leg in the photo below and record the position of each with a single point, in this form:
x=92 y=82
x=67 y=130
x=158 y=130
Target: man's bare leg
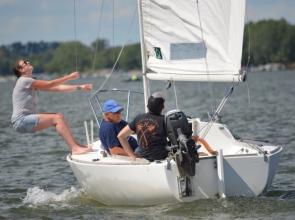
x=57 y=120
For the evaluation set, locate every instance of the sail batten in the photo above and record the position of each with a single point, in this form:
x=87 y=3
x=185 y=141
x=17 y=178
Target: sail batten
x=192 y=38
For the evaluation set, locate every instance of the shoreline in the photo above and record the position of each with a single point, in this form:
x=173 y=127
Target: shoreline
x=106 y=72
x=99 y=73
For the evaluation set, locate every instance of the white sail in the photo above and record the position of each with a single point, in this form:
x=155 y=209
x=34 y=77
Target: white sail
x=193 y=40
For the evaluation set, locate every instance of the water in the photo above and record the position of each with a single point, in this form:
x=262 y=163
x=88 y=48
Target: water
x=37 y=183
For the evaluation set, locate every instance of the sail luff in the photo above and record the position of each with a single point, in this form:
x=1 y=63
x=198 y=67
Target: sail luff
x=143 y=56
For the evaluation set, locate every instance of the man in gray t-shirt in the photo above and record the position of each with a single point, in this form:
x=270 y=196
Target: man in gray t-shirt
x=24 y=116
x=23 y=98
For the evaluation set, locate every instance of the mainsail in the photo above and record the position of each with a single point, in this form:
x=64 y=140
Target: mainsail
x=193 y=40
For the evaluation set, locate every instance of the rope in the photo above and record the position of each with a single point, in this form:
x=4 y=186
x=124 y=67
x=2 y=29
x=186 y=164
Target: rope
x=75 y=36
x=248 y=93
x=113 y=29
x=206 y=61
x=175 y=95
x=214 y=116
x=98 y=34
x=249 y=58
x=249 y=45
x=210 y=122
x=120 y=53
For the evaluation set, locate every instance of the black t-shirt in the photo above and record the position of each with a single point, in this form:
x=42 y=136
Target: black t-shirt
x=151 y=135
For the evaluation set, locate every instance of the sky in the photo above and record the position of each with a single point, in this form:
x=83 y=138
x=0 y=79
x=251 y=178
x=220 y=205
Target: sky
x=65 y=20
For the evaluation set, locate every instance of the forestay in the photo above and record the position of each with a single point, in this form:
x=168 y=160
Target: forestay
x=197 y=40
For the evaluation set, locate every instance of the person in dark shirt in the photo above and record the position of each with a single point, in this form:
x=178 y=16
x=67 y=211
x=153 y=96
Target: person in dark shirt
x=110 y=127
x=150 y=130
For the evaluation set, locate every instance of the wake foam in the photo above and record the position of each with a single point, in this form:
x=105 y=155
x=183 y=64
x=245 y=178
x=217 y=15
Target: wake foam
x=37 y=196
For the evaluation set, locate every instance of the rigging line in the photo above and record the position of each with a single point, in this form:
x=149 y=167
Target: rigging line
x=248 y=93
x=210 y=122
x=249 y=58
x=249 y=44
x=75 y=36
x=113 y=29
x=206 y=61
x=120 y=53
x=98 y=34
x=215 y=115
x=176 y=100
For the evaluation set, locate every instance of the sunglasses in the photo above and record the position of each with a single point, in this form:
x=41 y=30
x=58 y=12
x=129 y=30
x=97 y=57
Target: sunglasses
x=25 y=62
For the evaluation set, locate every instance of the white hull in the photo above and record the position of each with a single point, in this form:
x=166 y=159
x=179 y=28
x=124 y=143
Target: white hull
x=196 y=46
x=118 y=181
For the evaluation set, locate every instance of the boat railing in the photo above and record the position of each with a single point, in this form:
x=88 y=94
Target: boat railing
x=96 y=101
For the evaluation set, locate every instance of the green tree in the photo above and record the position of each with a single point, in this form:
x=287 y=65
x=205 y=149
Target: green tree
x=99 y=58
x=100 y=44
x=4 y=67
x=131 y=57
x=67 y=56
x=269 y=41
x=287 y=50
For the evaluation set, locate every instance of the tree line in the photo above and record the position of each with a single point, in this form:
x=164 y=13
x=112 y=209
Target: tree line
x=271 y=41
x=62 y=57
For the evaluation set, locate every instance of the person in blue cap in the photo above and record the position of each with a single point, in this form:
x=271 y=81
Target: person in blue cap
x=110 y=127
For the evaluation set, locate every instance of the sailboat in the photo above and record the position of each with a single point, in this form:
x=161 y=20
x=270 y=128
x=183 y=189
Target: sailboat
x=192 y=40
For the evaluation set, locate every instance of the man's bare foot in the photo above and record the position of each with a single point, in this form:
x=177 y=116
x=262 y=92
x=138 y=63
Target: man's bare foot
x=81 y=150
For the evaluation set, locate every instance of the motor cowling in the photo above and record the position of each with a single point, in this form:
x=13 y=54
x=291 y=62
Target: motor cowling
x=179 y=133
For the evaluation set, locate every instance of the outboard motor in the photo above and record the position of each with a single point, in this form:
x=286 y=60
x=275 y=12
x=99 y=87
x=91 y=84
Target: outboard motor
x=179 y=133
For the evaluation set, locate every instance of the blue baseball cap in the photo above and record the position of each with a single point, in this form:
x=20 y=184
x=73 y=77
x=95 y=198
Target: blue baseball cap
x=111 y=105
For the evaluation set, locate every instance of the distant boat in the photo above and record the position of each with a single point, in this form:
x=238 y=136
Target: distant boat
x=184 y=41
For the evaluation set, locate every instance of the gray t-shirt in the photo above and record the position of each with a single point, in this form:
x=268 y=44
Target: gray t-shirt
x=23 y=98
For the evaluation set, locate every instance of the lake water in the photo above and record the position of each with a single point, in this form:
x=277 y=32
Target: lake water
x=36 y=182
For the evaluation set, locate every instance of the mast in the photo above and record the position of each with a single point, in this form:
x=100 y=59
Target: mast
x=143 y=57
